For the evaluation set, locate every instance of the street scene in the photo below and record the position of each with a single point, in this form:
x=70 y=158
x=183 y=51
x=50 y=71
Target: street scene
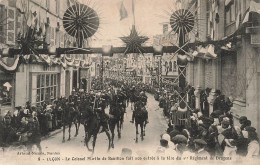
x=129 y=81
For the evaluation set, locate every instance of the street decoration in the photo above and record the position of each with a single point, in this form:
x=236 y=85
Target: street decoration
x=30 y=41
x=134 y=41
x=182 y=22
x=80 y=21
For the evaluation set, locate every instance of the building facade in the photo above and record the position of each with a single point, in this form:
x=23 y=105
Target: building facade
x=39 y=78
x=235 y=69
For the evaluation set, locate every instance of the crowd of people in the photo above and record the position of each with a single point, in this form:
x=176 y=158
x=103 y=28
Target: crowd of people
x=201 y=134
x=28 y=124
x=205 y=134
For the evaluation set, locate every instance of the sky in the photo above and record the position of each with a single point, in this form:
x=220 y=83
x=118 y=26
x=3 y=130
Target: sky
x=148 y=16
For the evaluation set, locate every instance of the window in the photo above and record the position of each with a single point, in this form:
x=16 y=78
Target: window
x=52 y=36
x=46 y=88
x=174 y=66
x=166 y=66
x=10 y=25
x=170 y=67
x=230 y=13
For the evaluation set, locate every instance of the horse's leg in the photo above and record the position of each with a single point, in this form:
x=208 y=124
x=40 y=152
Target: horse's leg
x=94 y=142
x=87 y=138
x=122 y=121
x=109 y=140
x=119 y=129
x=112 y=129
x=142 y=131
x=69 y=129
x=136 y=135
x=77 y=127
x=63 y=140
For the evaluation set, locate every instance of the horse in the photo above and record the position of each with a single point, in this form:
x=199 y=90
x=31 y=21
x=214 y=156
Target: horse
x=140 y=119
x=70 y=115
x=93 y=127
x=117 y=120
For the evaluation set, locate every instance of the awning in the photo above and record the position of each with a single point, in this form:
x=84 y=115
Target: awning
x=207 y=52
x=254 y=7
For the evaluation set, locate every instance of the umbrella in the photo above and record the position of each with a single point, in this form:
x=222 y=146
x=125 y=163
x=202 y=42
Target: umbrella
x=80 y=21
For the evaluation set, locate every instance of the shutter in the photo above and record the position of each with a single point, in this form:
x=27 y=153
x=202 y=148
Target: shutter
x=19 y=22
x=58 y=38
x=62 y=40
x=208 y=74
x=52 y=36
x=2 y=26
x=10 y=26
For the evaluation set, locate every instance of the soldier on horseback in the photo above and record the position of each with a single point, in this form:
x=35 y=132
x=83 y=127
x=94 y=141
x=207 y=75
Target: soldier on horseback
x=99 y=110
x=140 y=106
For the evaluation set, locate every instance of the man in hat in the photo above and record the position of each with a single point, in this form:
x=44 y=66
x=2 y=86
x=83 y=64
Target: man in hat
x=99 y=109
x=200 y=146
x=253 y=142
x=242 y=121
x=140 y=107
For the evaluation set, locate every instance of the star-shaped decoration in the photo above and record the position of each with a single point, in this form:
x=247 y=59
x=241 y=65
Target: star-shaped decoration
x=30 y=41
x=134 y=42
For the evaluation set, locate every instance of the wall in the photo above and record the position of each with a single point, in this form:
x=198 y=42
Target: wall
x=252 y=65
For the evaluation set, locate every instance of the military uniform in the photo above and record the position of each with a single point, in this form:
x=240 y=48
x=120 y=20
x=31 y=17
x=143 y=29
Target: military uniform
x=99 y=110
x=139 y=106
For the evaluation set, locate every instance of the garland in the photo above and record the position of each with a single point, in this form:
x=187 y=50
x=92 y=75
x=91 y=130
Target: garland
x=11 y=68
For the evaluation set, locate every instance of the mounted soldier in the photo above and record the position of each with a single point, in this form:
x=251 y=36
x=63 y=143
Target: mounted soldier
x=140 y=106
x=99 y=110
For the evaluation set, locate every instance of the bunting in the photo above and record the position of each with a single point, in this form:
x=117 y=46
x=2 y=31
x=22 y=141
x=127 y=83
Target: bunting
x=10 y=68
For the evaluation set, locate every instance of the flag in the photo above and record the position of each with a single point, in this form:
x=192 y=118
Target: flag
x=123 y=12
x=29 y=19
x=19 y=6
x=133 y=10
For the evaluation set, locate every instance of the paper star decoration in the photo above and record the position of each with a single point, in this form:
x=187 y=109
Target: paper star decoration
x=134 y=41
